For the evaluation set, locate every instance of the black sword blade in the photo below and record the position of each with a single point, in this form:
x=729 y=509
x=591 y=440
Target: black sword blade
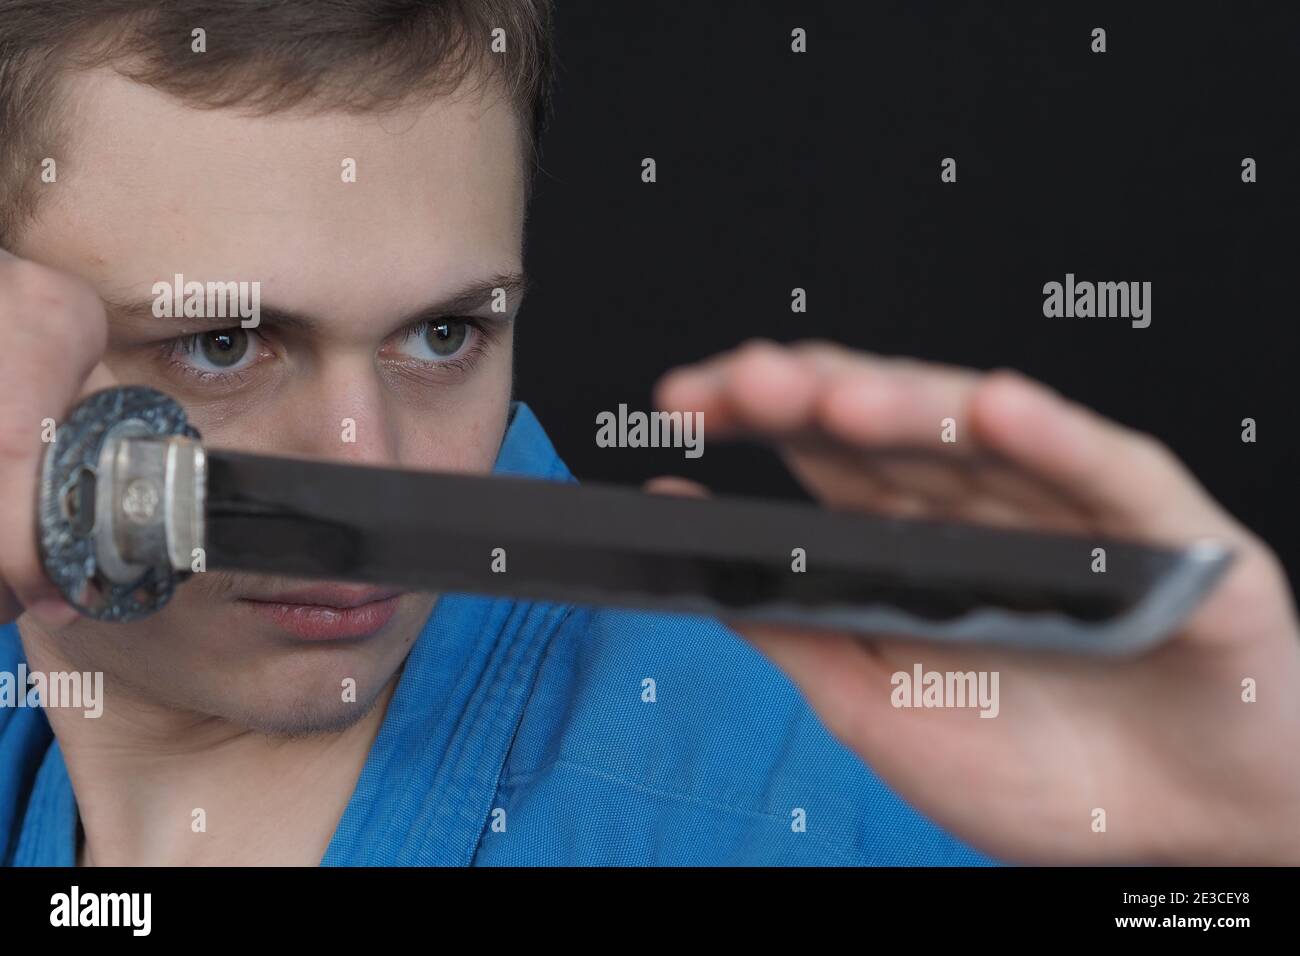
x=734 y=558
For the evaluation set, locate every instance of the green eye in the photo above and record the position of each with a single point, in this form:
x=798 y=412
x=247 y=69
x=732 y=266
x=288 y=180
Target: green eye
x=224 y=348
x=447 y=338
x=451 y=344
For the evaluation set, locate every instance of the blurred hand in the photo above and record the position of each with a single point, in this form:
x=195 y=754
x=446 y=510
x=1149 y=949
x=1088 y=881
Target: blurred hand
x=52 y=337
x=1184 y=769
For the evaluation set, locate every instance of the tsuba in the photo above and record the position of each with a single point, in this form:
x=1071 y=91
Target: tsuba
x=71 y=501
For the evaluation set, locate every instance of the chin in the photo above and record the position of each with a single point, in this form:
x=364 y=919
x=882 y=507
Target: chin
x=302 y=694
x=300 y=716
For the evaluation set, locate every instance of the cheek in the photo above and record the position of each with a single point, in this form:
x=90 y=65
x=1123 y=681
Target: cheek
x=469 y=443
x=463 y=430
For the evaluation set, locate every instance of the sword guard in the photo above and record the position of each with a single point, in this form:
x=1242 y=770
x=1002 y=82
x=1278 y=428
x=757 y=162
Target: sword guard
x=121 y=503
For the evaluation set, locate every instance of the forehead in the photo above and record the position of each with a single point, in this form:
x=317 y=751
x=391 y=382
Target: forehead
x=148 y=186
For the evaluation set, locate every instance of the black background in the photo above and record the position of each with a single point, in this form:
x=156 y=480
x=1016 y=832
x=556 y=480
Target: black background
x=821 y=170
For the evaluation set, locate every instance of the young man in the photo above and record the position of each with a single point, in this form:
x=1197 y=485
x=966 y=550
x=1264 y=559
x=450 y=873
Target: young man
x=215 y=140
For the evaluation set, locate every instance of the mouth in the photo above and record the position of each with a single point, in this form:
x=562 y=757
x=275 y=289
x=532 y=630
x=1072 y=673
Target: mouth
x=327 y=612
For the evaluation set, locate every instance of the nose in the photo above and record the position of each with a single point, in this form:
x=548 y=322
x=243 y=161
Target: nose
x=339 y=413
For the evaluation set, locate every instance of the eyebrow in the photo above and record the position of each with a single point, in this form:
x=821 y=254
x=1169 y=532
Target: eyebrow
x=467 y=299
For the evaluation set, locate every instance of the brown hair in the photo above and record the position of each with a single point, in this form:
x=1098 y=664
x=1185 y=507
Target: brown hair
x=350 y=55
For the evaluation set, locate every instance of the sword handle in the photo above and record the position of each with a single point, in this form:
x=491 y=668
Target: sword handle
x=120 y=514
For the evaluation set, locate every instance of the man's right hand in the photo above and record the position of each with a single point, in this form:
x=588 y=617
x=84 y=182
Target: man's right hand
x=53 y=333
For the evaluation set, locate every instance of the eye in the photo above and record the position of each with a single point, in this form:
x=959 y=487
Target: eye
x=223 y=351
x=439 y=340
x=445 y=339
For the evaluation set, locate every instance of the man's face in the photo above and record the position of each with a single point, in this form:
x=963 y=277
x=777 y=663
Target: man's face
x=149 y=188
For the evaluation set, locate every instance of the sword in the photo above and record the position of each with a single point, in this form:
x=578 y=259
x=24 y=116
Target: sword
x=132 y=503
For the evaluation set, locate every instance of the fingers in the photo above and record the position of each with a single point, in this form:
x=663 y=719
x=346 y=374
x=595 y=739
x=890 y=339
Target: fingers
x=52 y=336
x=854 y=397
x=1131 y=482
x=923 y=439
x=839 y=415
x=673 y=485
x=755 y=388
